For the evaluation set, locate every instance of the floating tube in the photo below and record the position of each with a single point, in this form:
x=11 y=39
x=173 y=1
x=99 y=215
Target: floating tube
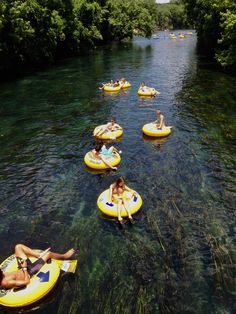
x=148 y=91
x=108 y=135
x=95 y=163
x=110 y=209
x=108 y=88
x=150 y=129
x=40 y=284
x=125 y=85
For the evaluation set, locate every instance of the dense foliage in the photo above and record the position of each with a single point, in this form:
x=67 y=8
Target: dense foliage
x=36 y=31
x=171 y=16
x=215 y=22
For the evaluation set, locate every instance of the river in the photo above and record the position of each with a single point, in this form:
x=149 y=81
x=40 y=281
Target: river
x=179 y=256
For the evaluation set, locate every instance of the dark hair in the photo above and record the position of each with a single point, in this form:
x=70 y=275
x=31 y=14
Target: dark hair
x=113 y=119
x=119 y=180
x=1 y=276
x=98 y=147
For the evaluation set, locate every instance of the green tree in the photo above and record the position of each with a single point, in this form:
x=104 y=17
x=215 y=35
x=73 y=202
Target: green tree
x=171 y=15
x=214 y=21
x=36 y=31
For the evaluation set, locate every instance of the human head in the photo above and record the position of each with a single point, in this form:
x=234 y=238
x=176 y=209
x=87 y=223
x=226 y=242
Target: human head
x=158 y=112
x=113 y=120
x=1 y=277
x=98 y=147
x=120 y=182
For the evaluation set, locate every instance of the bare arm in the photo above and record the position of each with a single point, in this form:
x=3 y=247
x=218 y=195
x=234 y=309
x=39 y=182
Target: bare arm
x=106 y=163
x=118 y=127
x=130 y=190
x=126 y=188
x=110 y=194
x=161 y=122
x=19 y=282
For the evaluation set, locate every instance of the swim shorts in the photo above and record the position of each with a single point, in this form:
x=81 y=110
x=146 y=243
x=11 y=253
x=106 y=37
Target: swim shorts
x=32 y=267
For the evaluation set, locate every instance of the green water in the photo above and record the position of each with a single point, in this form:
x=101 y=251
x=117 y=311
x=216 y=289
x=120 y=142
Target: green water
x=179 y=256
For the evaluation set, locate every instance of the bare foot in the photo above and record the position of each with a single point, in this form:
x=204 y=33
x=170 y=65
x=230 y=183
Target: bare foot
x=69 y=253
x=121 y=220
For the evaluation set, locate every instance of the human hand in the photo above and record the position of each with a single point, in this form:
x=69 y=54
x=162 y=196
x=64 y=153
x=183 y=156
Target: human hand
x=23 y=264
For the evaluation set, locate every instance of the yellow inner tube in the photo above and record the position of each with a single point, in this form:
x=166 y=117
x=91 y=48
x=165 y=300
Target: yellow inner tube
x=108 y=88
x=108 y=135
x=125 y=85
x=40 y=284
x=181 y=36
x=95 y=163
x=150 y=129
x=110 y=209
x=148 y=91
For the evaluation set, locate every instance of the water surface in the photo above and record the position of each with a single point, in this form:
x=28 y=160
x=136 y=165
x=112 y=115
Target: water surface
x=179 y=256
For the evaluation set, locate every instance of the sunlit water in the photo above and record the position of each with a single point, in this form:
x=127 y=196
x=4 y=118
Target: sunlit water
x=179 y=256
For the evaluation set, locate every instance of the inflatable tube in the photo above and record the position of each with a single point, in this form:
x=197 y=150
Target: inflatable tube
x=150 y=129
x=40 y=284
x=110 y=209
x=108 y=135
x=108 y=88
x=148 y=91
x=125 y=85
x=95 y=163
x=181 y=36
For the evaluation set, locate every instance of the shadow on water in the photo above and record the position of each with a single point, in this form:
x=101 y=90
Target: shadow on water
x=179 y=256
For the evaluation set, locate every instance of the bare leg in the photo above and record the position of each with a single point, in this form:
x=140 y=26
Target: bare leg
x=24 y=251
x=114 y=150
x=126 y=207
x=119 y=205
x=59 y=256
x=100 y=131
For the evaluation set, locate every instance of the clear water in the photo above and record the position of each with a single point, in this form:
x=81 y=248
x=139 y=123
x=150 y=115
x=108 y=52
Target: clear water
x=179 y=256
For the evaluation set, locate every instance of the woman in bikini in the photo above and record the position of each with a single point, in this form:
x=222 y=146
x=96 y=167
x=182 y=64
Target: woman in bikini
x=118 y=196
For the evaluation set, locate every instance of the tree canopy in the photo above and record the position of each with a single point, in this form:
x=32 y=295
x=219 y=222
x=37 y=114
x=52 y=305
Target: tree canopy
x=171 y=16
x=36 y=31
x=215 y=22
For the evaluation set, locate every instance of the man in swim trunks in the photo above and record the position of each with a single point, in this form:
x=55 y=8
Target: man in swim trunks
x=160 y=122
x=27 y=269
